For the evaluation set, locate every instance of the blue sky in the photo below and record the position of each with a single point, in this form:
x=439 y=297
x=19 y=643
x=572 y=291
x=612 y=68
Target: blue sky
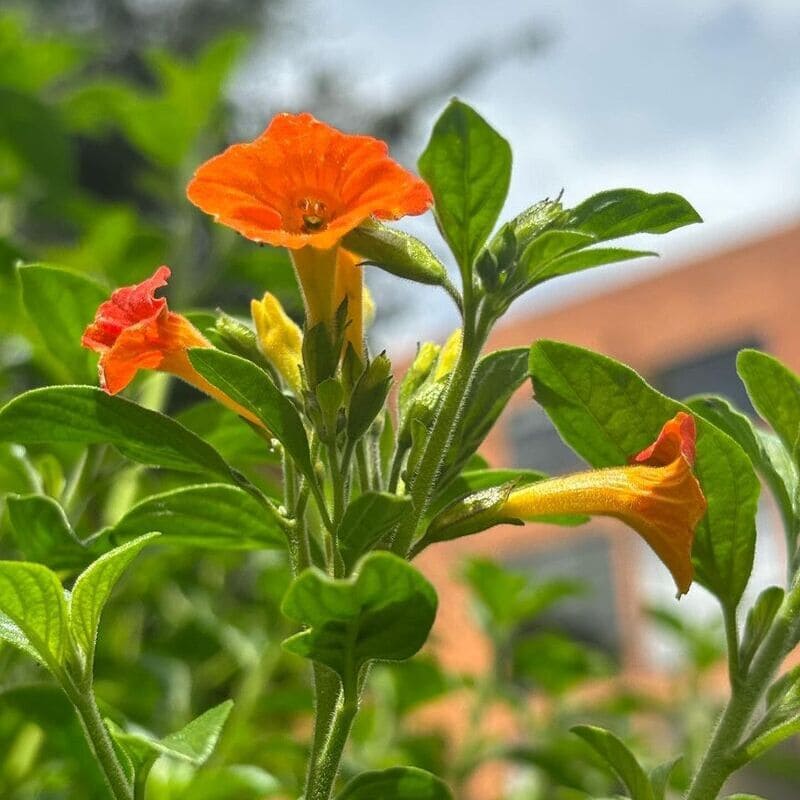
x=696 y=96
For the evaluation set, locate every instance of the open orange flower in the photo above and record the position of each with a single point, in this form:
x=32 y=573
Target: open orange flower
x=657 y=495
x=136 y=330
x=303 y=185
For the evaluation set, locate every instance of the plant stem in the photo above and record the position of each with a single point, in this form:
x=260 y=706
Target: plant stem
x=423 y=483
x=100 y=741
x=732 y=637
x=325 y=767
x=720 y=760
x=364 y=476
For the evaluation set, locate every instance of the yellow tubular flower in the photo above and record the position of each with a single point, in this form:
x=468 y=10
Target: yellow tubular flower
x=451 y=350
x=657 y=495
x=280 y=339
x=349 y=285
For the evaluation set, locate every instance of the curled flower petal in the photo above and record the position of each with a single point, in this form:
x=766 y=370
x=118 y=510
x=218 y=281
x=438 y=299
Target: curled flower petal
x=304 y=183
x=135 y=330
x=657 y=495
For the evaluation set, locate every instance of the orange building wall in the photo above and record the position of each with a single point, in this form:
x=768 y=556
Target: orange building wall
x=750 y=291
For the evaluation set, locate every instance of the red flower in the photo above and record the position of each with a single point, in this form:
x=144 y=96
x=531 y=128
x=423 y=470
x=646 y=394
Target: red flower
x=136 y=330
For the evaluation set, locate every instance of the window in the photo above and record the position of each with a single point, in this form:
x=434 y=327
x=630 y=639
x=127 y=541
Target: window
x=709 y=372
x=536 y=444
x=591 y=616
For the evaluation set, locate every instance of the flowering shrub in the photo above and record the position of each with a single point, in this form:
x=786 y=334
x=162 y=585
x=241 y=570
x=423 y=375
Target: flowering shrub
x=367 y=482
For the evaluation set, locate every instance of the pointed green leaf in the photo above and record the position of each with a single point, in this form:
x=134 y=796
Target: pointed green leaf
x=42 y=532
x=587 y=259
x=774 y=391
x=86 y=415
x=765 y=450
x=383 y=612
x=619 y=758
x=13 y=635
x=93 y=588
x=32 y=598
x=497 y=376
x=607 y=413
x=623 y=212
x=759 y=620
x=251 y=387
x=659 y=777
x=367 y=519
x=213 y=515
x=467 y=164
x=61 y=304
x=397 y=783
x=196 y=741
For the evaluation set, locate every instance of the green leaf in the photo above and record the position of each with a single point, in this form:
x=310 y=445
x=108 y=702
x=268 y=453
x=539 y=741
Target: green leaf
x=369 y=395
x=397 y=783
x=774 y=391
x=61 y=304
x=607 y=413
x=765 y=450
x=86 y=415
x=619 y=758
x=759 y=620
x=213 y=515
x=586 y=259
x=366 y=521
x=396 y=252
x=32 y=598
x=507 y=598
x=468 y=167
x=623 y=212
x=42 y=532
x=555 y=663
x=471 y=514
x=383 y=612
x=253 y=389
x=497 y=376
x=660 y=775
x=194 y=743
x=92 y=590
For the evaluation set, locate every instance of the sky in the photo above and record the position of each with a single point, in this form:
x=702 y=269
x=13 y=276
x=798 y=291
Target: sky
x=701 y=97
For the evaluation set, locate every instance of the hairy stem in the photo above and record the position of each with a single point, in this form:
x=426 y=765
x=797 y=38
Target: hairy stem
x=720 y=759
x=100 y=741
x=423 y=483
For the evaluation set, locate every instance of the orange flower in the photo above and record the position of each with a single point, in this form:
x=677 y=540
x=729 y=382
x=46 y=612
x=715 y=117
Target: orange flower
x=303 y=185
x=657 y=495
x=136 y=330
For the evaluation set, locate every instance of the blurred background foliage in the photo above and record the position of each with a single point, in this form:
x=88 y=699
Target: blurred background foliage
x=107 y=107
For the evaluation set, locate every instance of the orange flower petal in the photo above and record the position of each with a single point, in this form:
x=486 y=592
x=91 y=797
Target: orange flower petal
x=658 y=496
x=303 y=183
x=135 y=330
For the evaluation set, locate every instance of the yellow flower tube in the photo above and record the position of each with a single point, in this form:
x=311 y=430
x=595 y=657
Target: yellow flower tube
x=657 y=495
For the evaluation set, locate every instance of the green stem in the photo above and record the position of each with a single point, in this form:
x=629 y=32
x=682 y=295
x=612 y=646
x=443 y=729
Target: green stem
x=732 y=637
x=100 y=741
x=397 y=468
x=720 y=759
x=436 y=449
x=325 y=767
x=364 y=475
